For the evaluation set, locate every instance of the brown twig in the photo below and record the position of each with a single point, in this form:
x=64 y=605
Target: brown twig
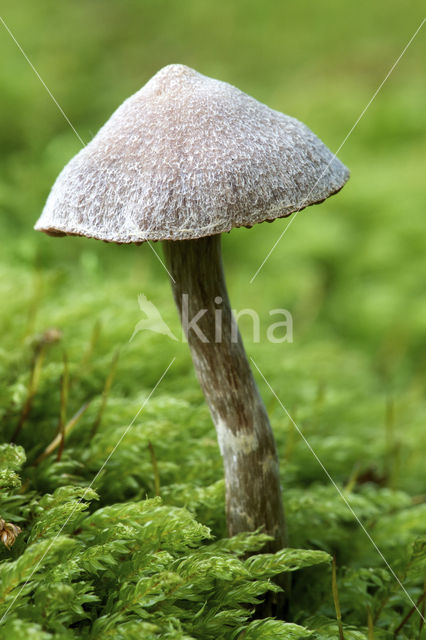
x=31 y=389
x=393 y=447
x=41 y=342
x=56 y=441
x=409 y=614
x=336 y=599
x=105 y=394
x=63 y=407
x=422 y=610
x=154 y=468
x=370 y=624
x=353 y=478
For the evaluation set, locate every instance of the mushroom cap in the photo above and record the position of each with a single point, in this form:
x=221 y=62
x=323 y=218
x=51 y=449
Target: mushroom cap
x=188 y=156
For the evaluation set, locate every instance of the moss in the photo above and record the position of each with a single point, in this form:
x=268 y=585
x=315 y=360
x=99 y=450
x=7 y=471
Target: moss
x=124 y=563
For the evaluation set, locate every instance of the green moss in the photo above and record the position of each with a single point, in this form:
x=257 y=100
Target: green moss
x=99 y=555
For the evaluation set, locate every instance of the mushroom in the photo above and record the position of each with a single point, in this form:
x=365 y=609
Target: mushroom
x=183 y=160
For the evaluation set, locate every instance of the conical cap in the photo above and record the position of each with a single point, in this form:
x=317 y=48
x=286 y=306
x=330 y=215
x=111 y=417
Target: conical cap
x=189 y=156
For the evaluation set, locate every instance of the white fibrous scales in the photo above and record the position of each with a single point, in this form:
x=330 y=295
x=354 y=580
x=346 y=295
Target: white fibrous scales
x=188 y=156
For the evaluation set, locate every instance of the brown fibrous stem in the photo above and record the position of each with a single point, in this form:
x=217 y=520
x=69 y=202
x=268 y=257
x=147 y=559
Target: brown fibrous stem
x=246 y=441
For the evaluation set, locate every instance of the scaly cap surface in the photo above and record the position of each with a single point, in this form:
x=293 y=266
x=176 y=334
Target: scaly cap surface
x=189 y=156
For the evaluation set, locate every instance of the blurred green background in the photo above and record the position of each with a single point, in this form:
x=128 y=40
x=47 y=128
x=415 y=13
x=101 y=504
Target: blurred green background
x=351 y=271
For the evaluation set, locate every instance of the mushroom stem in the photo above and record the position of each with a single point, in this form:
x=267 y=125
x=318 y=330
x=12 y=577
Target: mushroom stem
x=247 y=445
